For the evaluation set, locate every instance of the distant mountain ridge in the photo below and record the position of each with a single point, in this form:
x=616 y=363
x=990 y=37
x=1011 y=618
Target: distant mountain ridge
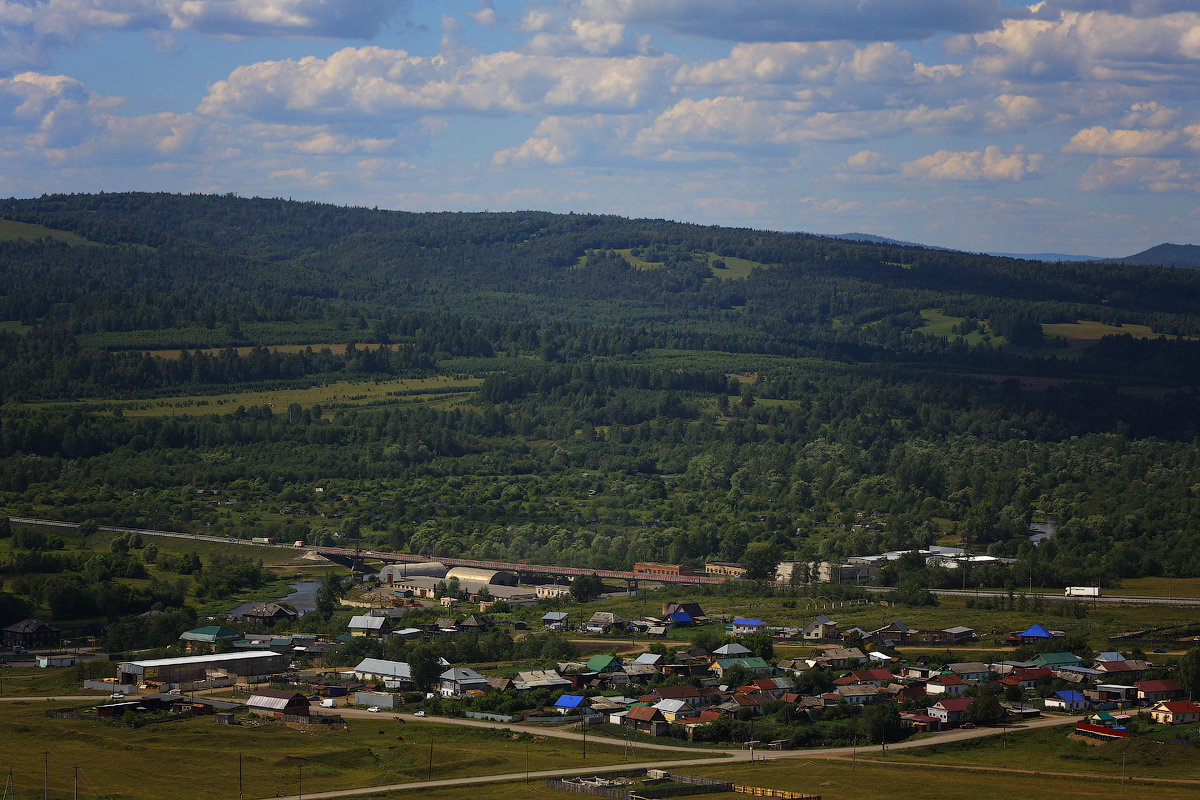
x=1167 y=255
x=869 y=238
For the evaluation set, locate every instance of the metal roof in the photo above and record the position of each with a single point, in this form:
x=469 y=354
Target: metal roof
x=204 y=659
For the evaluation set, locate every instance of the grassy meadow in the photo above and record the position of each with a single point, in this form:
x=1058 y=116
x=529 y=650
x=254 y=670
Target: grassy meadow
x=195 y=758
x=11 y=231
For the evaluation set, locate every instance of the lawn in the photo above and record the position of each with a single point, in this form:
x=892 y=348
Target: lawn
x=1052 y=750
x=12 y=231
x=435 y=391
x=196 y=758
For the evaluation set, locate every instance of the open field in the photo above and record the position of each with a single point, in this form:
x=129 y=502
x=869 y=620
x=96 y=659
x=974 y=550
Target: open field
x=175 y=353
x=195 y=758
x=1052 y=750
x=1157 y=587
x=939 y=324
x=437 y=391
x=11 y=231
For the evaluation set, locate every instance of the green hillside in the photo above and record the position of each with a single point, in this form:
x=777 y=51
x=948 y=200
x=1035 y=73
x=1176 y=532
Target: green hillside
x=591 y=390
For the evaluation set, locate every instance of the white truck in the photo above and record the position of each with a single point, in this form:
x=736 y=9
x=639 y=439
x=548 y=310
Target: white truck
x=1083 y=591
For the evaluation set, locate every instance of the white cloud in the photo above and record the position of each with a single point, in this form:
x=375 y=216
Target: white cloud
x=992 y=164
x=30 y=30
x=1149 y=114
x=1095 y=45
x=374 y=82
x=1135 y=173
x=1100 y=141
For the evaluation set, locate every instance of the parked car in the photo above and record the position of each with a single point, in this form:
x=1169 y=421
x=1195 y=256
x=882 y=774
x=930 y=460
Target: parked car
x=418 y=713
x=116 y=696
x=374 y=709
x=967 y=725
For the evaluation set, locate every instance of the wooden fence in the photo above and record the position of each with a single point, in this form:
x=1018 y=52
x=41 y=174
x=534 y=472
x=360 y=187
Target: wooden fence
x=758 y=791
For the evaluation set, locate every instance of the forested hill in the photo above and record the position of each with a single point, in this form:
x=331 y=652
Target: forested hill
x=1168 y=255
x=707 y=391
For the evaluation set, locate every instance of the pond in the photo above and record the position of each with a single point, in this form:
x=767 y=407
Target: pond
x=303 y=598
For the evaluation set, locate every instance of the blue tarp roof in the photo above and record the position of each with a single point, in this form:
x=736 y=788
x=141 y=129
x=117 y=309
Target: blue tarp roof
x=568 y=701
x=1035 y=631
x=680 y=616
x=1069 y=696
x=744 y=621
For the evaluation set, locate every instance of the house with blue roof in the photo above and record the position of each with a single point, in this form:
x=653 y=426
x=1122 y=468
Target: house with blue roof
x=569 y=703
x=1033 y=633
x=742 y=626
x=1067 y=700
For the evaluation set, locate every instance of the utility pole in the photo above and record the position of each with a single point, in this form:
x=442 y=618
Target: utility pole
x=76 y=782
x=301 y=790
x=46 y=775
x=429 y=775
x=239 y=776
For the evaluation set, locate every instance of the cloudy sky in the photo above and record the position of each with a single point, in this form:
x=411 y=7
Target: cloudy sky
x=1068 y=126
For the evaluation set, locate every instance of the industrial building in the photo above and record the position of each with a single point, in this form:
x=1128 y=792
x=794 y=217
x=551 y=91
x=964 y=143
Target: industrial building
x=246 y=666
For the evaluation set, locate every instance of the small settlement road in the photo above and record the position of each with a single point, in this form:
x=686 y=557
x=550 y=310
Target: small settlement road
x=706 y=756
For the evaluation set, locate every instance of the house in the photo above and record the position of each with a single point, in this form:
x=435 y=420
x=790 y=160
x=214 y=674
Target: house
x=1153 y=691
x=876 y=677
x=950 y=710
x=685 y=692
x=555 y=620
x=676 y=710
x=860 y=693
x=1057 y=660
x=206 y=639
x=270 y=613
x=32 y=633
x=56 y=660
x=841 y=657
x=539 y=679
x=648 y=660
x=732 y=650
x=949 y=685
x=459 y=680
x=923 y=722
x=1034 y=633
x=1117 y=693
x=681 y=619
x=603 y=664
x=750 y=664
x=1106 y=656
x=569 y=704
x=959 y=634
x=603 y=622
x=366 y=625
x=1175 y=712
x=970 y=670
x=549 y=591
x=821 y=629
x=647 y=719
x=895 y=632
x=1125 y=671
x=1067 y=700
x=743 y=626
x=393 y=674
x=693 y=610
x=277 y=702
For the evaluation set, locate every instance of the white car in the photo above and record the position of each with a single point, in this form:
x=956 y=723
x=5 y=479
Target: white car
x=374 y=709
x=116 y=696
x=418 y=713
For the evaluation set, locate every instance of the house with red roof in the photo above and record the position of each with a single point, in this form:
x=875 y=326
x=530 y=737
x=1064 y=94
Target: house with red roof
x=949 y=685
x=950 y=710
x=1175 y=712
x=1153 y=691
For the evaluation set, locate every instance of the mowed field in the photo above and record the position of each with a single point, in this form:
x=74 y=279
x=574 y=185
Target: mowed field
x=439 y=392
x=195 y=758
x=11 y=231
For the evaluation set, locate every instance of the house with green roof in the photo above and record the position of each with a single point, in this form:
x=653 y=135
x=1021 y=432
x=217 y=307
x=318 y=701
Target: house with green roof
x=1057 y=660
x=207 y=638
x=603 y=663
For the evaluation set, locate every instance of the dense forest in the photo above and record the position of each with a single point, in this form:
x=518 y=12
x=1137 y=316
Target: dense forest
x=589 y=390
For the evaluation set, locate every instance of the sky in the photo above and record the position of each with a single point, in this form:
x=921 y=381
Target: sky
x=1066 y=126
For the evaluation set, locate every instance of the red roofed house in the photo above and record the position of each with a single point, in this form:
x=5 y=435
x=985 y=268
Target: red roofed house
x=1153 y=691
x=1175 y=712
x=875 y=677
x=948 y=685
x=950 y=710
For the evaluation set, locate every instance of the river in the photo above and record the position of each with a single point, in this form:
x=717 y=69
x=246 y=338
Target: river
x=303 y=598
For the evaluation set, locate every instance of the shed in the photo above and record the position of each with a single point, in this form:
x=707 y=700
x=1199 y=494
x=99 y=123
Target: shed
x=276 y=702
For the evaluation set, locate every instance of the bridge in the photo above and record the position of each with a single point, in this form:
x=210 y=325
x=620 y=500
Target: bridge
x=344 y=555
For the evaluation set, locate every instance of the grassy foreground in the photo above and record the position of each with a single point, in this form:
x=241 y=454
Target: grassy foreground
x=196 y=758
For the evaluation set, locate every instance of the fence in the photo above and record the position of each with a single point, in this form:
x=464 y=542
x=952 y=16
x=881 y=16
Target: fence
x=498 y=717
x=695 y=785
x=758 y=791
